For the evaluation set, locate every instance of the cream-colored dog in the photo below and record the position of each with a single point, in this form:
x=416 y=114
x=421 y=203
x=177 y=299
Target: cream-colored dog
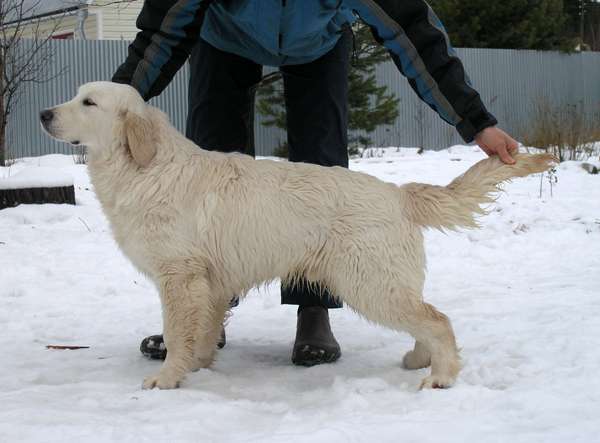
x=205 y=225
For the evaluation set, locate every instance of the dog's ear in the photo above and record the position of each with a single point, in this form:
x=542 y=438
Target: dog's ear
x=139 y=137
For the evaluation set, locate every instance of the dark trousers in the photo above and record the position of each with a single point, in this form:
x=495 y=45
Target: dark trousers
x=221 y=117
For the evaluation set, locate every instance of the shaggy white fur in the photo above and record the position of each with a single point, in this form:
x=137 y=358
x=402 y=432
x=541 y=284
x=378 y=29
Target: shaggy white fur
x=205 y=225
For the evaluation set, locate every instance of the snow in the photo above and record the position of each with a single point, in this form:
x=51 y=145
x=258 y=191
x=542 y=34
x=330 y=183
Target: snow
x=35 y=177
x=523 y=294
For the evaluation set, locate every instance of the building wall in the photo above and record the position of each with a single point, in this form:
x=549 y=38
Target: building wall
x=58 y=25
x=91 y=27
x=117 y=19
x=106 y=21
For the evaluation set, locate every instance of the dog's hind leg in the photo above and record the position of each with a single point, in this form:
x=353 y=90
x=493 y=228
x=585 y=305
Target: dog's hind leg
x=435 y=338
x=192 y=317
x=418 y=358
x=404 y=310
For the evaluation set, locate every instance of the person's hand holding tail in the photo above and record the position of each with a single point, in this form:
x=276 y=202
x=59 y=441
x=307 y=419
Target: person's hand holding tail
x=494 y=141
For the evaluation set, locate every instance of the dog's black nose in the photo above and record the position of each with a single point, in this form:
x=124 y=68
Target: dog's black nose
x=46 y=116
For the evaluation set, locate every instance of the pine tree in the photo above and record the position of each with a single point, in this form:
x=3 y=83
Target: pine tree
x=370 y=105
x=584 y=22
x=509 y=24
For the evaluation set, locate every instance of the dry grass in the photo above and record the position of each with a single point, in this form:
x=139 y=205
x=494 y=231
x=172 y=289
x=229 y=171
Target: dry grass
x=80 y=156
x=566 y=131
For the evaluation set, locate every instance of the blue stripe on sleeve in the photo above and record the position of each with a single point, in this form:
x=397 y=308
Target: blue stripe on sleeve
x=406 y=57
x=159 y=52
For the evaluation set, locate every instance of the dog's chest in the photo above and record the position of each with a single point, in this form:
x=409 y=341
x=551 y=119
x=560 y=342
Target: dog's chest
x=155 y=224
x=144 y=237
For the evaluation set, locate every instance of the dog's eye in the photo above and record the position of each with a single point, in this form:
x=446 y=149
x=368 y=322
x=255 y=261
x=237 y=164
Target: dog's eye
x=88 y=102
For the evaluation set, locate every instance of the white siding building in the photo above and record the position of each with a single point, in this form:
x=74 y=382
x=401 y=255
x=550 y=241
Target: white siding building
x=83 y=19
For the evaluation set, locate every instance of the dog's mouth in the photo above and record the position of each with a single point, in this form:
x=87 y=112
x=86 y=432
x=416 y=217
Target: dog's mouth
x=50 y=129
x=47 y=127
x=48 y=122
x=55 y=134
x=51 y=126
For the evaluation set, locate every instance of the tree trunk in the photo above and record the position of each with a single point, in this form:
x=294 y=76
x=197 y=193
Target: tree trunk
x=2 y=137
x=2 y=110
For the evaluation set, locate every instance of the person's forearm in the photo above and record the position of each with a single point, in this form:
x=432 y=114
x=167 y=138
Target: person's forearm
x=420 y=48
x=169 y=29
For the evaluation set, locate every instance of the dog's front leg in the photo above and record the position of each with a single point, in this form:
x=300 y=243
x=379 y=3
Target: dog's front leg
x=192 y=317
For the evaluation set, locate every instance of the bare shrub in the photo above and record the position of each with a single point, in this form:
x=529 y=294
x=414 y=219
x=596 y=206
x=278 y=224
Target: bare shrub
x=80 y=155
x=23 y=61
x=566 y=131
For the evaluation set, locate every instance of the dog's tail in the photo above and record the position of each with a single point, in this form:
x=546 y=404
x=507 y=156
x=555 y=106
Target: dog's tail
x=457 y=205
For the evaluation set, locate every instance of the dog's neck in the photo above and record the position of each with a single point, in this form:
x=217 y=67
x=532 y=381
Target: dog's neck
x=114 y=172
x=111 y=170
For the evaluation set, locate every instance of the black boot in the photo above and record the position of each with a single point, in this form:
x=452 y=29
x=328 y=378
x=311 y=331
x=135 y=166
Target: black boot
x=315 y=343
x=153 y=347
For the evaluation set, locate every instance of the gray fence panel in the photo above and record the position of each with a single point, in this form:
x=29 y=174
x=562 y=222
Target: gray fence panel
x=76 y=62
x=510 y=82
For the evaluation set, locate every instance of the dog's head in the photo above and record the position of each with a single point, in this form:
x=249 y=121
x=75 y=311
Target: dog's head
x=102 y=114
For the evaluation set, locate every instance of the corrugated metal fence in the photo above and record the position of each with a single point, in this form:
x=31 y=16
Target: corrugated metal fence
x=511 y=83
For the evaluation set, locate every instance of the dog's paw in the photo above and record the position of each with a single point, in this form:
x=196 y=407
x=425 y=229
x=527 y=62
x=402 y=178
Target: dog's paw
x=161 y=381
x=437 y=382
x=414 y=360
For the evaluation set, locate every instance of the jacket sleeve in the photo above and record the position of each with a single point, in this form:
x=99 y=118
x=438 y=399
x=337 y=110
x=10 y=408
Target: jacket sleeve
x=420 y=48
x=169 y=30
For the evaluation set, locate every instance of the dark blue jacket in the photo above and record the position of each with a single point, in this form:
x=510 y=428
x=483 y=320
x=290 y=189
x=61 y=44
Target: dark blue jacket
x=277 y=32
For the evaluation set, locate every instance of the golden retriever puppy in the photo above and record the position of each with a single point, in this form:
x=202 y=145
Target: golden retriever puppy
x=205 y=225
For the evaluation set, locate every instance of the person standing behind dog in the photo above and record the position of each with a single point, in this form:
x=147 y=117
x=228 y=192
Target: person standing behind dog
x=229 y=41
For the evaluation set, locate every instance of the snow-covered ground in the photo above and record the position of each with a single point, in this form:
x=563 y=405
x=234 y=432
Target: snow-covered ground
x=523 y=294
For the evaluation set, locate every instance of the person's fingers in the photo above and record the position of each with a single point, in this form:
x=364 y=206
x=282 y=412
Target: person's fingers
x=505 y=156
x=487 y=150
x=513 y=146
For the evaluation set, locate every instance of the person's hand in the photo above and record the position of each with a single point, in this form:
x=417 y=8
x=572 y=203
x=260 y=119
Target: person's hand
x=493 y=140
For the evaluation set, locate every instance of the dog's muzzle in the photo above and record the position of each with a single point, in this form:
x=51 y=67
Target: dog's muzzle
x=46 y=117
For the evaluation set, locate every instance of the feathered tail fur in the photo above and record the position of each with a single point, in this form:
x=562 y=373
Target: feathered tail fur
x=457 y=205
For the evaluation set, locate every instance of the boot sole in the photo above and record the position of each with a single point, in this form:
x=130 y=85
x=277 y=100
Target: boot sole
x=313 y=358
